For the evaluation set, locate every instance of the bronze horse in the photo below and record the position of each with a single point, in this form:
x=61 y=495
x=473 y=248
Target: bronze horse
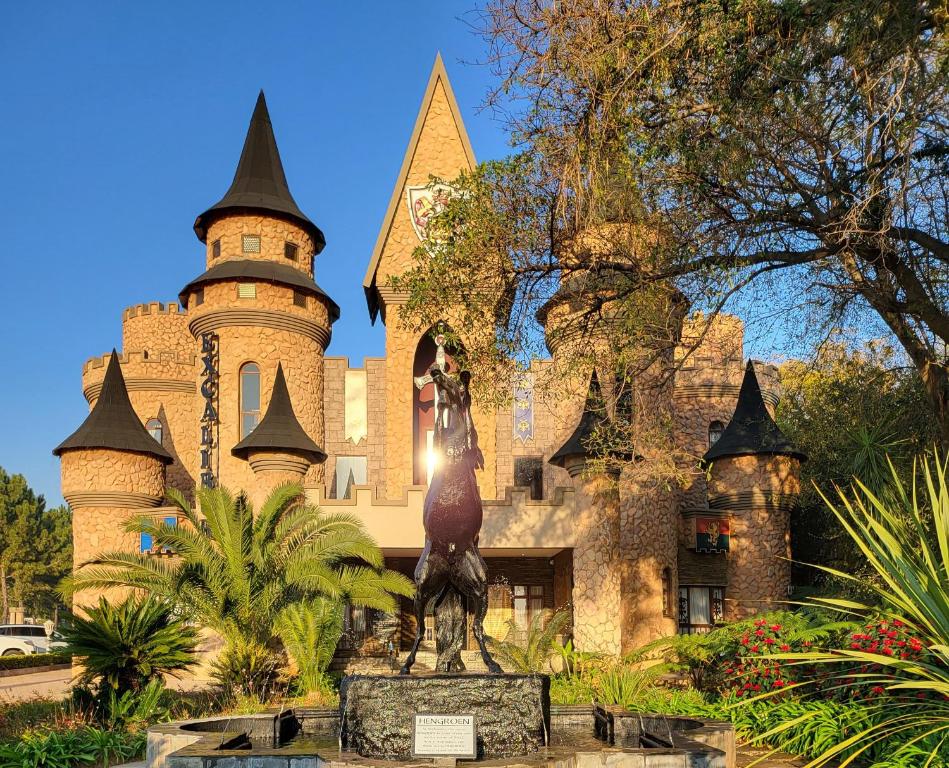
x=451 y=568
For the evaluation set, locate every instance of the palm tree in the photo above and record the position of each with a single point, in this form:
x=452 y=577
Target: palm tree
x=125 y=646
x=237 y=572
x=310 y=631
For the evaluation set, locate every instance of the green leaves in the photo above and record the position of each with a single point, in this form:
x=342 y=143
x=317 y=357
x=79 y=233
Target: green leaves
x=247 y=576
x=123 y=646
x=530 y=650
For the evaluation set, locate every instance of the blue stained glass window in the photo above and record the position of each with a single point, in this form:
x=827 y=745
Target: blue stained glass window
x=145 y=543
x=172 y=521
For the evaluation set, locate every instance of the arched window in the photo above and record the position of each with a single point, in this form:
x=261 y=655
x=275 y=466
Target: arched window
x=715 y=430
x=249 y=402
x=154 y=428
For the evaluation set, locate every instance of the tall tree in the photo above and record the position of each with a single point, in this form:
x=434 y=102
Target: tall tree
x=35 y=547
x=798 y=146
x=853 y=413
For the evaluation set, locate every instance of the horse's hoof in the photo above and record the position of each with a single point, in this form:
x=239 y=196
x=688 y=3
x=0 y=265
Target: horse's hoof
x=404 y=671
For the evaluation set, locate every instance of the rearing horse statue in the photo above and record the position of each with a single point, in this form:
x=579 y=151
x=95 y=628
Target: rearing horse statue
x=451 y=567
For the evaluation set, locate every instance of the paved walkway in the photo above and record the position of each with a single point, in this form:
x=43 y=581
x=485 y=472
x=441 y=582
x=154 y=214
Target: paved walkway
x=53 y=684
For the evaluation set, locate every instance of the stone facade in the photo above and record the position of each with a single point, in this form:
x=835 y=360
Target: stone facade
x=622 y=556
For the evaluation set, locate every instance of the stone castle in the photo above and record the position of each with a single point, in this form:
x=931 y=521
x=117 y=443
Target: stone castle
x=231 y=385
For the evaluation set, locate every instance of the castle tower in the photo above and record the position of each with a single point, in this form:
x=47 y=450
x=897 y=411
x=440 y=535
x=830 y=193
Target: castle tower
x=278 y=450
x=596 y=305
x=755 y=478
x=257 y=305
x=112 y=469
x=597 y=567
x=439 y=147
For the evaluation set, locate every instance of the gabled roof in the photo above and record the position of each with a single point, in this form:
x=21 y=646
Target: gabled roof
x=257 y=269
x=279 y=429
x=751 y=430
x=113 y=423
x=592 y=419
x=259 y=182
x=439 y=76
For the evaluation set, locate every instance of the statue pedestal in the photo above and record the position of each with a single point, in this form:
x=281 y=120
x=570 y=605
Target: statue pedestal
x=377 y=713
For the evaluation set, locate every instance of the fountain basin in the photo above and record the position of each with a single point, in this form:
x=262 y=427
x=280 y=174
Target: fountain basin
x=579 y=738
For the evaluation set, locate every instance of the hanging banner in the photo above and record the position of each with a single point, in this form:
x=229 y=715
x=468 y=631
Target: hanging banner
x=711 y=534
x=524 y=408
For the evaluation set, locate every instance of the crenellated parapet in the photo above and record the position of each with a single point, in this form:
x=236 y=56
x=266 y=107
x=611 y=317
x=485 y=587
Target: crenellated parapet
x=144 y=370
x=155 y=327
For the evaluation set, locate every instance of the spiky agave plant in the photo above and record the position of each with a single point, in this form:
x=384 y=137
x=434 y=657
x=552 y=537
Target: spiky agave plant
x=236 y=571
x=906 y=542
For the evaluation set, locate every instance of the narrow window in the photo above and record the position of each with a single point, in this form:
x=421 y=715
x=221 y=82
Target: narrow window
x=199 y=297
x=145 y=543
x=249 y=398
x=216 y=249
x=154 y=429
x=290 y=251
x=250 y=243
x=529 y=473
x=667 y=606
x=715 y=430
x=247 y=290
x=299 y=299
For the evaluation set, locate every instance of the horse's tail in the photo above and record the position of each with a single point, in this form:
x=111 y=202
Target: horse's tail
x=450 y=624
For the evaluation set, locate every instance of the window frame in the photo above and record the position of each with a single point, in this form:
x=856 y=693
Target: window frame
x=216 y=249
x=715 y=426
x=242 y=395
x=161 y=429
x=294 y=251
x=536 y=486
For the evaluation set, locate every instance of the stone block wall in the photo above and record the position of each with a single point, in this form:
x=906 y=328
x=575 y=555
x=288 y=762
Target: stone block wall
x=759 y=492
x=156 y=328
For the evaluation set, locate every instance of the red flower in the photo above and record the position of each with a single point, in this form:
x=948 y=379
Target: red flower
x=785 y=647
x=769 y=640
x=855 y=646
x=778 y=683
x=760 y=623
x=756 y=687
x=754 y=648
x=897 y=623
x=887 y=651
x=877 y=689
x=744 y=640
x=759 y=632
x=775 y=627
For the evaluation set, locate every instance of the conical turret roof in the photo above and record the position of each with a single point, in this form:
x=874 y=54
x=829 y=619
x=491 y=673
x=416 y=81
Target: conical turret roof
x=578 y=444
x=279 y=429
x=751 y=430
x=112 y=422
x=259 y=183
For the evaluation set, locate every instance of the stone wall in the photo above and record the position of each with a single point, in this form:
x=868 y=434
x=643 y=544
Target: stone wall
x=759 y=492
x=274 y=233
x=104 y=488
x=266 y=330
x=156 y=328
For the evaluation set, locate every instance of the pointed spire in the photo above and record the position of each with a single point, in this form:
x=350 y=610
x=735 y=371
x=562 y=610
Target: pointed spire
x=279 y=429
x=751 y=430
x=259 y=183
x=113 y=423
x=578 y=444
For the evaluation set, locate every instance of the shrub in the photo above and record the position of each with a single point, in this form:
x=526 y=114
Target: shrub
x=531 y=650
x=124 y=646
x=71 y=748
x=248 y=671
x=34 y=660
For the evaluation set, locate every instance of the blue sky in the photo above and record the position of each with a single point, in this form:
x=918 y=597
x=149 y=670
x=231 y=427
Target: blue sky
x=121 y=122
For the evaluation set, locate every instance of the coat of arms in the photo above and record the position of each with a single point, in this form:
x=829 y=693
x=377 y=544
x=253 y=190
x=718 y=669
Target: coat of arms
x=424 y=203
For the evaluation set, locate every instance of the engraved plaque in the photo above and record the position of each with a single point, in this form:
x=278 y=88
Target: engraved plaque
x=436 y=735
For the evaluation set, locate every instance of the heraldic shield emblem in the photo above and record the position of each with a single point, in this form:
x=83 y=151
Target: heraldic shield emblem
x=425 y=202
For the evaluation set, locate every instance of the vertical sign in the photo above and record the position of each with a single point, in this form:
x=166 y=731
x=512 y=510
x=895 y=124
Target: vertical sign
x=210 y=423
x=524 y=407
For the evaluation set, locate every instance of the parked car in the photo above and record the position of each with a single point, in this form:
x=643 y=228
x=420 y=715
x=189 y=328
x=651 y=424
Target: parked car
x=28 y=638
